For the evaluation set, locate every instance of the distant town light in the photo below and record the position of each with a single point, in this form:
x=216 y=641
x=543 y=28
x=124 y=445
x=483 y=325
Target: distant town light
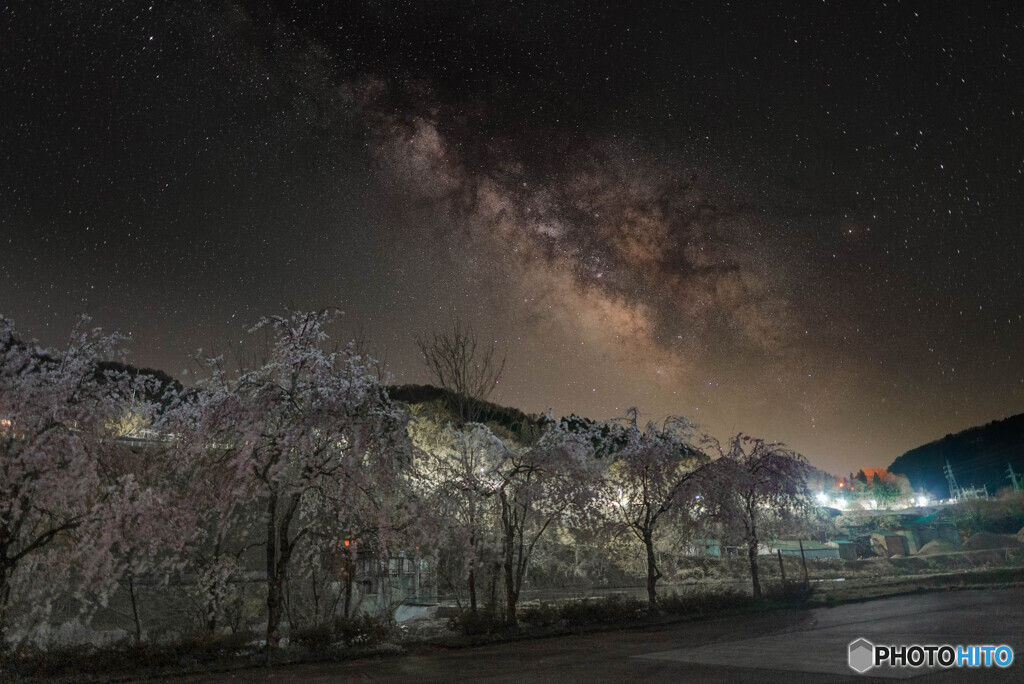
x=922 y=500
x=874 y=504
x=823 y=498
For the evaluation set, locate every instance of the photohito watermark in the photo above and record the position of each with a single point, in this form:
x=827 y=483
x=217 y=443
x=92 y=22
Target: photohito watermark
x=865 y=655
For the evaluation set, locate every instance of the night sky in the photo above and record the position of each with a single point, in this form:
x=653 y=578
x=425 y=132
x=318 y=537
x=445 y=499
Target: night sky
x=802 y=221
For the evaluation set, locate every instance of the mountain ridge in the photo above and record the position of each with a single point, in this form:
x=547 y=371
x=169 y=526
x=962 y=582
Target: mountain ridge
x=979 y=456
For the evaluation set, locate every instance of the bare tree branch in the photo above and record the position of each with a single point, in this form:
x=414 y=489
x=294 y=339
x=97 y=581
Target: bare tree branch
x=464 y=366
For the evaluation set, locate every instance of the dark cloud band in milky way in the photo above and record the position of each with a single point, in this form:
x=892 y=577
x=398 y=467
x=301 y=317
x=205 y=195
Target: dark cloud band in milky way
x=646 y=256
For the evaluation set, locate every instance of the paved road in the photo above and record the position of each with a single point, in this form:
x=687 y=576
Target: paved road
x=784 y=646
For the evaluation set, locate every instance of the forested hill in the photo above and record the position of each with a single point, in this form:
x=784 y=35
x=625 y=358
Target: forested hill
x=979 y=457
x=511 y=418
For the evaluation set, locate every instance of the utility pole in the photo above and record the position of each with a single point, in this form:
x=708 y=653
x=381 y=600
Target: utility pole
x=954 y=490
x=803 y=559
x=1013 y=477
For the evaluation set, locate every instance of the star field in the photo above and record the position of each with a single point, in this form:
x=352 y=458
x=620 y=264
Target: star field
x=800 y=220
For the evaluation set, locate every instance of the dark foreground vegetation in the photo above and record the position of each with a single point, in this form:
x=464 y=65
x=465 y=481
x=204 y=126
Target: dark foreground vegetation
x=717 y=588
x=344 y=639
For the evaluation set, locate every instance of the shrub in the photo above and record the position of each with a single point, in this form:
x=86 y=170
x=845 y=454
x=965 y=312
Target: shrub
x=699 y=604
x=608 y=610
x=315 y=638
x=543 y=614
x=121 y=657
x=475 y=623
x=1003 y=516
x=361 y=630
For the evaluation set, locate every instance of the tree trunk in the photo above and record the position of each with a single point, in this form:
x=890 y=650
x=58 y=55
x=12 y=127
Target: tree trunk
x=316 y=597
x=349 y=571
x=653 y=575
x=511 y=596
x=495 y=571
x=752 y=556
x=273 y=580
x=511 y=590
x=212 y=608
x=279 y=551
x=471 y=581
x=135 y=609
x=274 y=611
x=6 y=570
x=214 y=595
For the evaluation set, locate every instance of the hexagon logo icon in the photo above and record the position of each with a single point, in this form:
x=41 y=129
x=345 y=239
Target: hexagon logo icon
x=862 y=655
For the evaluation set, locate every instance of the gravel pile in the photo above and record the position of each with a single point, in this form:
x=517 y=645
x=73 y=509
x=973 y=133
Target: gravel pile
x=937 y=546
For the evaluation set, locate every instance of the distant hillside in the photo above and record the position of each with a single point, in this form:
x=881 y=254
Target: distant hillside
x=510 y=418
x=158 y=385
x=979 y=457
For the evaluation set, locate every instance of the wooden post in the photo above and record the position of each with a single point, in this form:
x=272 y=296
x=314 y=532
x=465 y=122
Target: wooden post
x=782 y=568
x=803 y=559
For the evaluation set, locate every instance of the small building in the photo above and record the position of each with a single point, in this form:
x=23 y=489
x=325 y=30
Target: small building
x=889 y=544
x=381 y=585
x=926 y=529
x=713 y=548
x=847 y=549
x=705 y=547
x=812 y=549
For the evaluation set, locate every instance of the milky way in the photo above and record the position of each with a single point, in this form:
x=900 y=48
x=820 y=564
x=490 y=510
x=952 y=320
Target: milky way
x=667 y=262
x=791 y=221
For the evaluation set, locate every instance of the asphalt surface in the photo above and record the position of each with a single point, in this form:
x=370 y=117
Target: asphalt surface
x=782 y=646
